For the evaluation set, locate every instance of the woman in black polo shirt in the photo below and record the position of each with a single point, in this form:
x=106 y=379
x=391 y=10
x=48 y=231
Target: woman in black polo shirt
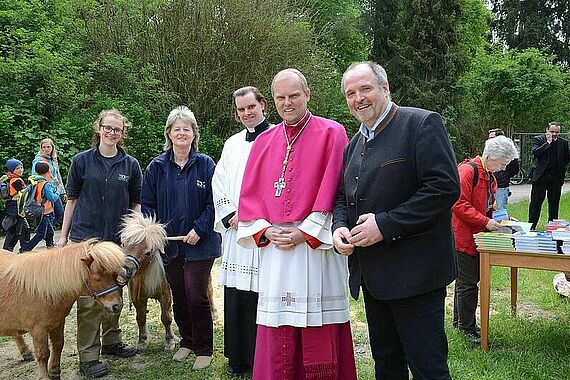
x=103 y=183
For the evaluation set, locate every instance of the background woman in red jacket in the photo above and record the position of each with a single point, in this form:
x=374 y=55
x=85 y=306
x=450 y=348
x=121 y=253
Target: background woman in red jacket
x=472 y=213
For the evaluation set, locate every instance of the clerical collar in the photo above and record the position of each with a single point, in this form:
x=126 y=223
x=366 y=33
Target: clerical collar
x=261 y=127
x=369 y=134
x=300 y=122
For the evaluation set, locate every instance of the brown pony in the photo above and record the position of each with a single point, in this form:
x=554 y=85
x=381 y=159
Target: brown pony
x=143 y=240
x=38 y=289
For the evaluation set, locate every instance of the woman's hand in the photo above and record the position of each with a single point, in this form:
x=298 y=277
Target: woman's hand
x=192 y=237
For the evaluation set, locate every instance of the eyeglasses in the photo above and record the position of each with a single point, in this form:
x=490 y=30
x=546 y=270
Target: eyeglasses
x=109 y=129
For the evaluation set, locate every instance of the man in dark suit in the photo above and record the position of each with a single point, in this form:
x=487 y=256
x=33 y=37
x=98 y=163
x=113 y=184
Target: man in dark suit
x=548 y=170
x=392 y=217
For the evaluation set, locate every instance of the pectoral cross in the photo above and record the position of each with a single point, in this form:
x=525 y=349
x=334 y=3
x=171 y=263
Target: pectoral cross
x=279 y=185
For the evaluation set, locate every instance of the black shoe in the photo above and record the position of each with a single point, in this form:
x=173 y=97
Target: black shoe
x=472 y=336
x=93 y=368
x=234 y=371
x=119 y=349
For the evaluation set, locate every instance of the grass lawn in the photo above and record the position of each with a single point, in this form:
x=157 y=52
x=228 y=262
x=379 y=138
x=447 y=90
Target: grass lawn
x=533 y=345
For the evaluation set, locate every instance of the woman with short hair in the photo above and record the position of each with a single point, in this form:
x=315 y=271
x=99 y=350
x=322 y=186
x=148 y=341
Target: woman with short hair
x=473 y=213
x=177 y=188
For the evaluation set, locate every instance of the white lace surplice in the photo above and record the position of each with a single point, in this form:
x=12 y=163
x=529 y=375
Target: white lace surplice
x=303 y=286
x=239 y=267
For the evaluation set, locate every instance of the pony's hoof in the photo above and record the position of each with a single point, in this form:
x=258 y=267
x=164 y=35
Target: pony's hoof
x=54 y=376
x=28 y=357
x=169 y=346
x=142 y=346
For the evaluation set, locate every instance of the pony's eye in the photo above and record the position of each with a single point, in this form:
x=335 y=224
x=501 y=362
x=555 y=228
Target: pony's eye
x=148 y=253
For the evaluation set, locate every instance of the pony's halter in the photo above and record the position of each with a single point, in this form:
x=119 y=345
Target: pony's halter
x=122 y=279
x=129 y=272
x=103 y=292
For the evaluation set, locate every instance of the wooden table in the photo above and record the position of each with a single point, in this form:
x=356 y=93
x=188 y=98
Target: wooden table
x=514 y=260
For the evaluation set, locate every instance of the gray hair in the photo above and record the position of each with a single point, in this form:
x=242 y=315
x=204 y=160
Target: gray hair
x=181 y=113
x=304 y=84
x=379 y=73
x=500 y=147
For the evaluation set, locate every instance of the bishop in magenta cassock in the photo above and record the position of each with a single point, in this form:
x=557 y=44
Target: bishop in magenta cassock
x=286 y=202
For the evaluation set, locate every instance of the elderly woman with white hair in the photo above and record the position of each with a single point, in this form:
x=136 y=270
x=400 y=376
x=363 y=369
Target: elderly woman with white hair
x=472 y=213
x=177 y=189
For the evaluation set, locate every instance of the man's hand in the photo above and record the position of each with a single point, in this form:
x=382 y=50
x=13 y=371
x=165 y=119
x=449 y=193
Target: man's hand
x=492 y=225
x=340 y=241
x=366 y=231
x=233 y=222
x=191 y=238
x=548 y=137
x=284 y=238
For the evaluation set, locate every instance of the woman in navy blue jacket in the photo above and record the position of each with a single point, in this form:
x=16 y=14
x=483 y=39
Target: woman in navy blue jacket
x=177 y=189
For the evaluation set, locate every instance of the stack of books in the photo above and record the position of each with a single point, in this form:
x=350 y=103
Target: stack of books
x=556 y=224
x=535 y=242
x=494 y=241
x=563 y=234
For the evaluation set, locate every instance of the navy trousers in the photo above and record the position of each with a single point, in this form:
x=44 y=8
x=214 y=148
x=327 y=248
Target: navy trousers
x=408 y=333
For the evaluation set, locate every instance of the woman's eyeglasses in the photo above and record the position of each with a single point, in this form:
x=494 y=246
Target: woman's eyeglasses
x=109 y=129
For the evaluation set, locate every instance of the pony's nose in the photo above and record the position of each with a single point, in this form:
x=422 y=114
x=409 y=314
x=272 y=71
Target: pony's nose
x=115 y=309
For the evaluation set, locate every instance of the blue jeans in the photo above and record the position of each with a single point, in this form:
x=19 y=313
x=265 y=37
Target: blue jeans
x=57 y=211
x=43 y=231
x=502 y=198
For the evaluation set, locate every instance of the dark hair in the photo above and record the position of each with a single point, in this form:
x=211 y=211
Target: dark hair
x=497 y=132
x=554 y=123
x=42 y=168
x=243 y=92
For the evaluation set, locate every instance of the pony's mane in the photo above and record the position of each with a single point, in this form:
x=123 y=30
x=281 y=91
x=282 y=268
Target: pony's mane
x=137 y=228
x=148 y=279
x=59 y=272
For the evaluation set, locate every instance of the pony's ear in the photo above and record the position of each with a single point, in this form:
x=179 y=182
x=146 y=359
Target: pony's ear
x=88 y=260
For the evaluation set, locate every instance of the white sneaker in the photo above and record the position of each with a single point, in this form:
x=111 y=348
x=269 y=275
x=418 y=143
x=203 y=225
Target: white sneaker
x=202 y=362
x=181 y=354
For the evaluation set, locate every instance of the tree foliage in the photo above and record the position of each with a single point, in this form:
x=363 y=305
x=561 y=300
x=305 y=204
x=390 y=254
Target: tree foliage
x=63 y=61
x=518 y=91
x=543 y=24
x=425 y=46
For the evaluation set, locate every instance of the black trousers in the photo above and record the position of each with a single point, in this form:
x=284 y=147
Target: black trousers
x=406 y=333
x=466 y=292
x=240 y=329
x=20 y=231
x=548 y=185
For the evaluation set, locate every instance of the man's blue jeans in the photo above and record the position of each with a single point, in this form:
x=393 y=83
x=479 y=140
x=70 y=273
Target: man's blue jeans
x=43 y=231
x=502 y=198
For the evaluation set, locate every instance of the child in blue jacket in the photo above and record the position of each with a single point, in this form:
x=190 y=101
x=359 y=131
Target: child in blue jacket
x=46 y=194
